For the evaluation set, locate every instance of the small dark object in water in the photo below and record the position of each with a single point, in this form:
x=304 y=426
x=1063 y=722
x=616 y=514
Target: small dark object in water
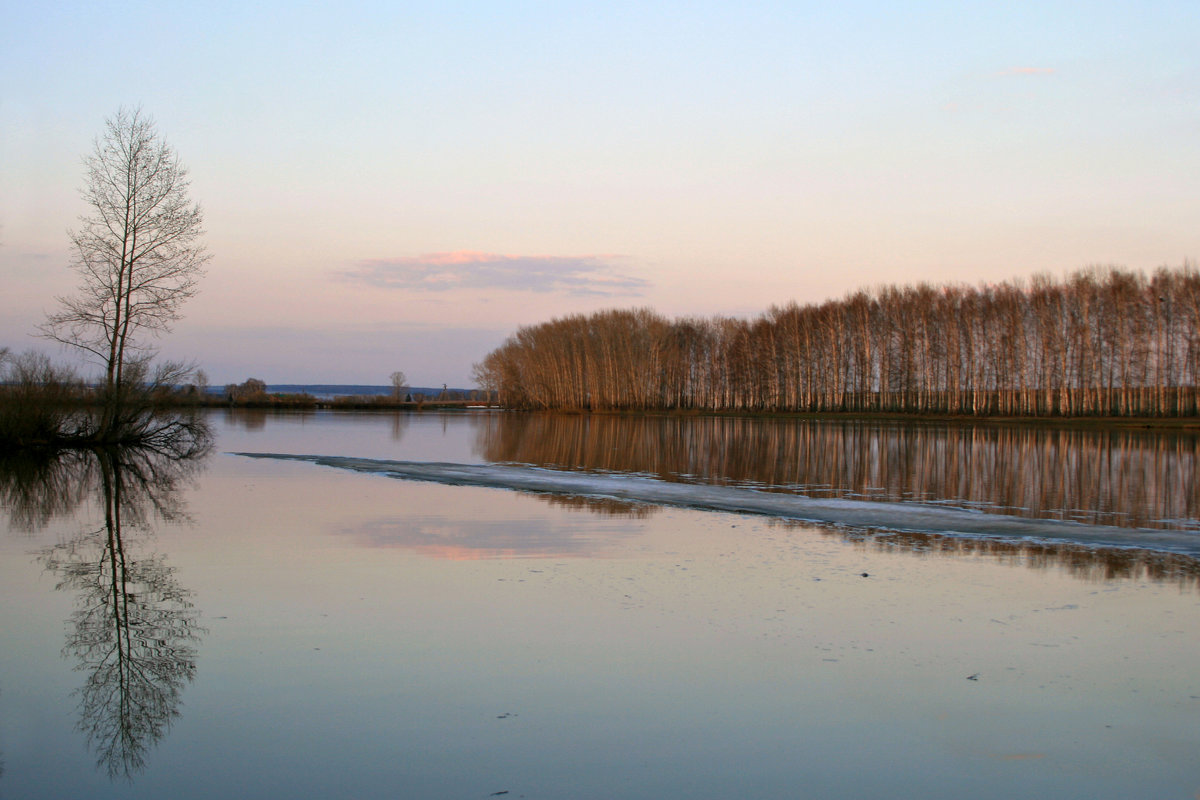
x=866 y=574
x=974 y=677
x=497 y=794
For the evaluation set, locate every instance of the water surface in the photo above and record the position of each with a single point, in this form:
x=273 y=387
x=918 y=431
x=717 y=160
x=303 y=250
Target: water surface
x=320 y=632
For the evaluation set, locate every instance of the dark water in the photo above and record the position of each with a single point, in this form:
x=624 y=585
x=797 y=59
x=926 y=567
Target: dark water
x=242 y=627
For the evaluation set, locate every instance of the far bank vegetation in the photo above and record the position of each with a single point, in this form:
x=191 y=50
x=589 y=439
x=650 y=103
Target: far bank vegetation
x=48 y=406
x=1101 y=342
x=254 y=393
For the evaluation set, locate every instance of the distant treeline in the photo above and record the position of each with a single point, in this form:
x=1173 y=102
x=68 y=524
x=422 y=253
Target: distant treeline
x=254 y=393
x=1102 y=342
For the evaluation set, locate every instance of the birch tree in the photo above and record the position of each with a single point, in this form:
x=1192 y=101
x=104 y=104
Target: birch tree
x=137 y=252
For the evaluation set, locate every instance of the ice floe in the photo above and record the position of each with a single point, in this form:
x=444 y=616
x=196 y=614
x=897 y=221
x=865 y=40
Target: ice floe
x=905 y=516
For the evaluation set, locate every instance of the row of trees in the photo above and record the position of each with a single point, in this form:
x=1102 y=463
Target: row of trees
x=1103 y=341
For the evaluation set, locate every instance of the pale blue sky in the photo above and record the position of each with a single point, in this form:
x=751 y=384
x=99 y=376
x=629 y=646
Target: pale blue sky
x=400 y=185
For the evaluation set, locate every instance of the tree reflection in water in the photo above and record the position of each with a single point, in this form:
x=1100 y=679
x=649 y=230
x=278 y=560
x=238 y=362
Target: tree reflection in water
x=134 y=631
x=1105 y=476
x=605 y=506
x=1122 y=477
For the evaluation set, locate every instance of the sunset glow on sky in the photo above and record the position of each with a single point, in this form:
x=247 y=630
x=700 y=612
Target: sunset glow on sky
x=401 y=185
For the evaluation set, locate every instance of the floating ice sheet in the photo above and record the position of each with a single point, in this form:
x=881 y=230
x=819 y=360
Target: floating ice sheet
x=915 y=517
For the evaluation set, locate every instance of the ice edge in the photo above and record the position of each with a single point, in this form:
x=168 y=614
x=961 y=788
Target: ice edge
x=903 y=517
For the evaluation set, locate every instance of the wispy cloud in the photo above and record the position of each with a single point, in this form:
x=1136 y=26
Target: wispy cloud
x=1025 y=71
x=438 y=272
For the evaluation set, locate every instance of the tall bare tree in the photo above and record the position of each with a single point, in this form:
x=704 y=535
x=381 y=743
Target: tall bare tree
x=399 y=385
x=137 y=251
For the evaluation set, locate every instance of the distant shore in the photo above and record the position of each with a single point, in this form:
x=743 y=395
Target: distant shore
x=387 y=403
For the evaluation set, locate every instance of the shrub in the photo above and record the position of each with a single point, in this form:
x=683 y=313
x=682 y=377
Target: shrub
x=40 y=403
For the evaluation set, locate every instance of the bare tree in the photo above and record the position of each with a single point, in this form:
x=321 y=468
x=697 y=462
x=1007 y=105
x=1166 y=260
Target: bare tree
x=399 y=385
x=200 y=381
x=137 y=251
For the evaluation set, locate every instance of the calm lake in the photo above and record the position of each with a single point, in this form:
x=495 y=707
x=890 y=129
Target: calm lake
x=485 y=604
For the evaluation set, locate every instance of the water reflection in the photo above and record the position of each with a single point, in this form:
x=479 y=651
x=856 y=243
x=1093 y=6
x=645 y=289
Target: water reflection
x=605 y=506
x=1121 y=477
x=255 y=419
x=36 y=488
x=471 y=540
x=135 y=630
x=1092 y=564
x=399 y=424
x=250 y=419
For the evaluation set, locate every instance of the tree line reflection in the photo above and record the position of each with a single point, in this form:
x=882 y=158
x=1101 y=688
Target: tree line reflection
x=134 y=631
x=1120 y=477
x=1093 y=564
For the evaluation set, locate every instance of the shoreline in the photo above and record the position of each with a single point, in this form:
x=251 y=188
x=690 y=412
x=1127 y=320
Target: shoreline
x=1190 y=424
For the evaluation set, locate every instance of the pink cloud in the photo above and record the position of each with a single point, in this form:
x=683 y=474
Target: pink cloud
x=468 y=269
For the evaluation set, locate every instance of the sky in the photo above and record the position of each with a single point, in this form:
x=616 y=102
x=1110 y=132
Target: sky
x=401 y=185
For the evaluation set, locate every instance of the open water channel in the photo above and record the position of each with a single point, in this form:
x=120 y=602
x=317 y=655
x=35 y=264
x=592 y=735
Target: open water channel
x=487 y=604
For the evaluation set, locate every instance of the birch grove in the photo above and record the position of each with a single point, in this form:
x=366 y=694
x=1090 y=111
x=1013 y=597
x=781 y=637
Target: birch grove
x=1102 y=342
